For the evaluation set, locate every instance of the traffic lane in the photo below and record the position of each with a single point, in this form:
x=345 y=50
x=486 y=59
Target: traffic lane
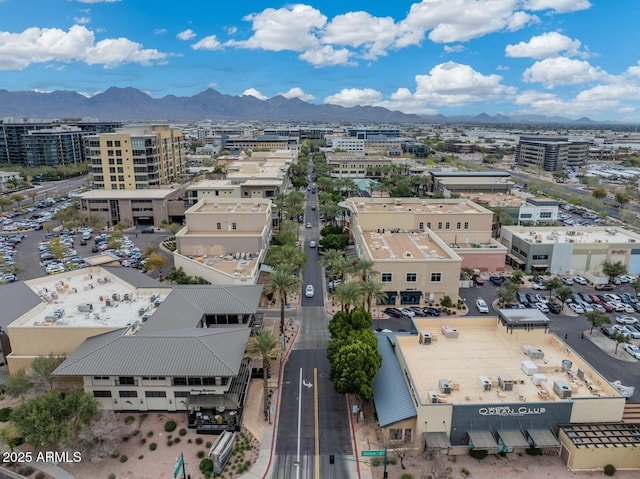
x=312 y=275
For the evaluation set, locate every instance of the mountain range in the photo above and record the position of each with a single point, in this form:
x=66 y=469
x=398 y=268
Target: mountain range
x=131 y=104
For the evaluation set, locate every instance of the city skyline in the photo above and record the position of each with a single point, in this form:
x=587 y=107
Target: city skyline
x=452 y=57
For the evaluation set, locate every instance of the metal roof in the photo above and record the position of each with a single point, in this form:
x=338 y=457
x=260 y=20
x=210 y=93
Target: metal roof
x=135 y=277
x=390 y=391
x=16 y=299
x=192 y=352
x=543 y=438
x=437 y=440
x=186 y=304
x=513 y=438
x=482 y=440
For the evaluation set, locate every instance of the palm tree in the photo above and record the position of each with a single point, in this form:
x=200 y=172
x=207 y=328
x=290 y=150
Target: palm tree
x=364 y=269
x=330 y=257
x=282 y=283
x=347 y=294
x=286 y=254
x=267 y=347
x=372 y=290
x=279 y=203
x=341 y=266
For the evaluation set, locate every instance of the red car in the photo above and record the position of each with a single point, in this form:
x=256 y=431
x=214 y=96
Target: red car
x=477 y=279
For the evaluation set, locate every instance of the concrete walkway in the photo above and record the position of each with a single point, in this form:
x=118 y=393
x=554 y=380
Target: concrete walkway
x=53 y=470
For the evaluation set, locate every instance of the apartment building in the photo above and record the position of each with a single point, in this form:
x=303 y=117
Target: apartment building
x=419 y=246
x=225 y=239
x=136 y=157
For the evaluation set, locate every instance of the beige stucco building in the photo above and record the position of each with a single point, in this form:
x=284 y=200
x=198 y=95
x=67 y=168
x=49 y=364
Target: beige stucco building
x=225 y=240
x=419 y=246
x=136 y=157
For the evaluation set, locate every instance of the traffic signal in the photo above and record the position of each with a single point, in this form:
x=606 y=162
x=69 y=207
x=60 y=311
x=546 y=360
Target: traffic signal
x=332 y=459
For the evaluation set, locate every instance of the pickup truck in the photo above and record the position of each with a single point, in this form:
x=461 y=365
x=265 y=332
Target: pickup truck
x=497 y=280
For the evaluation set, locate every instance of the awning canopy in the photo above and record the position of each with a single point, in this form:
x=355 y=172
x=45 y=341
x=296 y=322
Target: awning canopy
x=482 y=440
x=543 y=438
x=515 y=258
x=213 y=401
x=539 y=266
x=437 y=440
x=512 y=438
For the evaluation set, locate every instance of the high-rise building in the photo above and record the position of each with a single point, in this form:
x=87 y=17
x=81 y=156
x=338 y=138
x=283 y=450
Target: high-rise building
x=136 y=157
x=551 y=153
x=50 y=143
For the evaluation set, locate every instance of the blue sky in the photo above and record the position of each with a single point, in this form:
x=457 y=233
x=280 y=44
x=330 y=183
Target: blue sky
x=572 y=58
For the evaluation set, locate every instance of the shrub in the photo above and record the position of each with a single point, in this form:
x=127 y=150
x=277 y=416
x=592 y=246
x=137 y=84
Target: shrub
x=208 y=445
x=392 y=460
x=534 y=451
x=150 y=434
x=129 y=420
x=112 y=475
x=206 y=465
x=169 y=443
x=406 y=475
x=153 y=446
x=141 y=456
x=170 y=426
x=143 y=441
x=464 y=472
x=115 y=454
x=124 y=458
x=609 y=470
x=182 y=432
x=200 y=454
x=199 y=440
x=25 y=470
x=446 y=301
x=375 y=462
x=40 y=475
x=476 y=454
x=5 y=412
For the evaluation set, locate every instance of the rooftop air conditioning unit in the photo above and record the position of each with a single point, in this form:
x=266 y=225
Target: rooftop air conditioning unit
x=433 y=397
x=425 y=337
x=445 y=386
x=506 y=383
x=485 y=383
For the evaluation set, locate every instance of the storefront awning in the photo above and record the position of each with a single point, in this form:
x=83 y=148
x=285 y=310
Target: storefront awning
x=516 y=259
x=539 y=266
x=437 y=440
x=513 y=438
x=543 y=438
x=482 y=440
x=213 y=401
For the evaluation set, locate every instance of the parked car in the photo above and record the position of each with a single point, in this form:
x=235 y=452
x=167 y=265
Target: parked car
x=604 y=287
x=566 y=280
x=308 y=225
x=147 y=230
x=633 y=350
x=477 y=279
x=607 y=330
x=541 y=285
x=393 y=312
x=580 y=280
x=576 y=308
x=542 y=307
x=407 y=312
x=554 y=308
x=431 y=311
x=497 y=280
x=309 y=291
x=482 y=306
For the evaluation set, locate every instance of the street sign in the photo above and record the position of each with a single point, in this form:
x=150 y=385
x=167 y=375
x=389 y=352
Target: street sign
x=372 y=453
x=179 y=464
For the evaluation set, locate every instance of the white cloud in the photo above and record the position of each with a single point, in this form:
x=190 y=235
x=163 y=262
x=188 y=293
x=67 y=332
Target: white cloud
x=546 y=45
x=82 y=20
x=255 y=93
x=297 y=92
x=454 y=48
x=562 y=71
x=231 y=30
x=42 y=45
x=360 y=29
x=207 y=43
x=327 y=55
x=159 y=31
x=187 y=34
x=291 y=28
x=559 y=6
x=349 y=97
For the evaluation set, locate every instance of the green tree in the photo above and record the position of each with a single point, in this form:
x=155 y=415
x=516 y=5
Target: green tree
x=620 y=338
x=265 y=346
x=19 y=383
x=339 y=241
x=507 y=293
x=563 y=293
x=363 y=268
x=150 y=248
x=155 y=262
x=54 y=419
x=621 y=197
x=517 y=276
x=18 y=198
x=32 y=196
x=43 y=366
x=286 y=254
x=596 y=319
x=282 y=283
x=115 y=239
x=354 y=368
x=173 y=228
x=613 y=269
x=347 y=295
x=552 y=284
x=372 y=290
x=57 y=248
x=599 y=193
x=11 y=436
x=635 y=284
x=4 y=203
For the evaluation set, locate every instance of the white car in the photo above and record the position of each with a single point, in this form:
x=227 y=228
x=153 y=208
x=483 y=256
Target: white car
x=309 y=291
x=312 y=244
x=624 y=319
x=576 y=308
x=539 y=286
x=580 y=280
x=482 y=306
x=633 y=332
x=632 y=350
x=543 y=308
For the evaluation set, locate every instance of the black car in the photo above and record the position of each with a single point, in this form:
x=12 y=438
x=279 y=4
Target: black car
x=95 y=248
x=147 y=230
x=428 y=311
x=607 y=330
x=393 y=312
x=554 y=308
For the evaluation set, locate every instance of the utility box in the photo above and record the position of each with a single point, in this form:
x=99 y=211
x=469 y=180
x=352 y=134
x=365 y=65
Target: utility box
x=445 y=386
x=425 y=337
x=85 y=308
x=562 y=389
x=506 y=383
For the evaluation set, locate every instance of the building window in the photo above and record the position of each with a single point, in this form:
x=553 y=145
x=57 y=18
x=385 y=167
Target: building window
x=155 y=394
x=181 y=394
x=439 y=225
x=458 y=225
x=153 y=378
x=234 y=226
x=447 y=225
x=421 y=225
x=117 y=143
x=429 y=224
x=179 y=381
x=208 y=381
x=386 y=277
x=466 y=225
x=218 y=226
x=126 y=381
x=412 y=277
x=128 y=394
x=109 y=143
x=436 y=277
x=100 y=378
x=526 y=215
x=545 y=214
x=195 y=381
x=101 y=394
